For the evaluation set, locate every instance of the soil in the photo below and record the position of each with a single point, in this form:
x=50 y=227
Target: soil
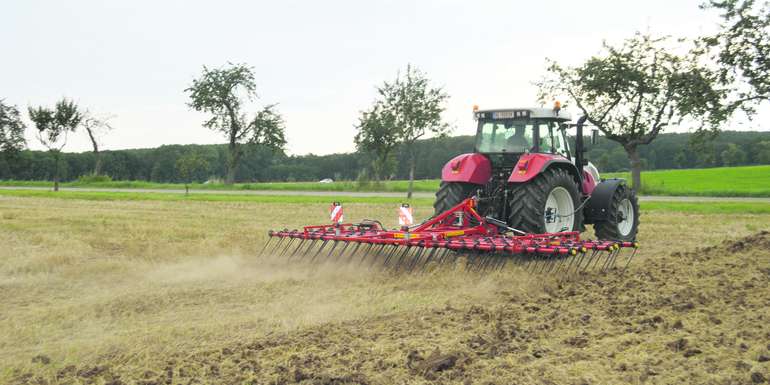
x=698 y=316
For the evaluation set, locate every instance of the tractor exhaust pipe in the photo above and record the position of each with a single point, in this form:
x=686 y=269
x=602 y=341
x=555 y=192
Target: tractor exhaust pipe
x=580 y=148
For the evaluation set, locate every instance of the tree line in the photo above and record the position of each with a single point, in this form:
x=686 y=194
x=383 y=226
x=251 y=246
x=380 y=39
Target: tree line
x=263 y=164
x=632 y=92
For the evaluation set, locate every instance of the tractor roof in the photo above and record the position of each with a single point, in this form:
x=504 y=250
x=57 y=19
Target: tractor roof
x=539 y=113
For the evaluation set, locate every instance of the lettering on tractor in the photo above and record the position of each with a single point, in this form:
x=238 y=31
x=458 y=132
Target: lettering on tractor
x=523 y=195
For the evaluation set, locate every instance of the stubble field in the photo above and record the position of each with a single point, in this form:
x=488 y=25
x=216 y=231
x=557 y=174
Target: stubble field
x=171 y=292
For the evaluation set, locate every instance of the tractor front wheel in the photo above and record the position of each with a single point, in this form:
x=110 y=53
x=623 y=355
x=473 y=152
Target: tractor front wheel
x=546 y=204
x=450 y=194
x=623 y=221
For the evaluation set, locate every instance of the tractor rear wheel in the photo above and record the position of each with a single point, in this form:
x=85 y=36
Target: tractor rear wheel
x=546 y=204
x=623 y=221
x=450 y=194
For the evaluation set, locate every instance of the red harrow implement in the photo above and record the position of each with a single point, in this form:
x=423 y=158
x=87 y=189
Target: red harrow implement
x=485 y=242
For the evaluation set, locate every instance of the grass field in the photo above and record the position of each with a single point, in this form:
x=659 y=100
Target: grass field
x=684 y=207
x=748 y=181
x=169 y=291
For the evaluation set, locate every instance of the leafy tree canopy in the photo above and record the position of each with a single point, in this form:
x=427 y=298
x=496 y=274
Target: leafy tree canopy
x=633 y=92
x=11 y=129
x=223 y=94
x=742 y=49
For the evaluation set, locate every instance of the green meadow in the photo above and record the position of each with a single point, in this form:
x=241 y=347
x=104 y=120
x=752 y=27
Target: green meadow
x=748 y=181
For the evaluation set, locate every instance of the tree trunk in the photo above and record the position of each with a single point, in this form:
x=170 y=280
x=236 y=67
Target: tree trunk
x=98 y=163
x=636 y=168
x=186 y=189
x=232 y=164
x=230 y=178
x=411 y=176
x=56 y=172
x=97 y=155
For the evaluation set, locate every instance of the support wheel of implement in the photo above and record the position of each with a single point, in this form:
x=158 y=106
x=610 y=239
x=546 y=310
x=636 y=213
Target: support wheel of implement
x=450 y=194
x=623 y=221
x=546 y=204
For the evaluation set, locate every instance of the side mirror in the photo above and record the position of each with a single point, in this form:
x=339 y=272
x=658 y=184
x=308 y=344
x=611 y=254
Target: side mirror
x=594 y=136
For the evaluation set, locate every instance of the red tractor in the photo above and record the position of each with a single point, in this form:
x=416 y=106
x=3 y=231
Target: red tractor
x=523 y=172
x=521 y=196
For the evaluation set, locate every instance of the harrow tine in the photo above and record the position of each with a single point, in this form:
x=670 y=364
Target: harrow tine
x=310 y=247
x=598 y=257
x=410 y=257
x=587 y=258
x=543 y=263
x=440 y=258
x=614 y=259
x=416 y=259
x=528 y=261
x=481 y=261
x=387 y=256
x=469 y=260
x=299 y=246
x=633 y=253
x=353 y=253
x=334 y=246
x=536 y=261
x=556 y=262
x=489 y=260
x=502 y=263
x=610 y=257
x=288 y=244
x=262 y=252
x=278 y=244
x=406 y=250
x=606 y=260
x=325 y=242
x=342 y=252
x=614 y=262
x=428 y=258
x=563 y=261
x=369 y=252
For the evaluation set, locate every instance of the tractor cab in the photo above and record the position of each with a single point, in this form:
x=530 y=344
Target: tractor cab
x=504 y=135
x=522 y=169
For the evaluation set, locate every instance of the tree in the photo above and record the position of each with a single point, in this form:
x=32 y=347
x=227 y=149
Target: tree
x=733 y=155
x=762 y=154
x=378 y=136
x=96 y=127
x=411 y=108
x=190 y=166
x=53 y=126
x=633 y=92
x=742 y=49
x=11 y=129
x=223 y=93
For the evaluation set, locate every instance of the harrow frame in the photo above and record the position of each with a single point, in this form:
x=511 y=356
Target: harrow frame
x=455 y=232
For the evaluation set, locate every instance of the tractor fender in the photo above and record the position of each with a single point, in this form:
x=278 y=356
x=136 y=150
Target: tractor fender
x=598 y=207
x=470 y=168
x=531 y=165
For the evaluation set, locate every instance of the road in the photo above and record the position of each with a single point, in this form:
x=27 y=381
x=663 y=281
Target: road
x=651 y=198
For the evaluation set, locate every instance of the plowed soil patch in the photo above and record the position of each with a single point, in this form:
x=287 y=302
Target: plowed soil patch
x=698 y=316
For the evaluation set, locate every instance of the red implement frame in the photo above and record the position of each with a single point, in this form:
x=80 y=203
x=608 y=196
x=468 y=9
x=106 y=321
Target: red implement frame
x=460 y=228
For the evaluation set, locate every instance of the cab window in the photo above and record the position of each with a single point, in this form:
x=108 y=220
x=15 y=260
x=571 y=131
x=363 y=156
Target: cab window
x=514 y=136
x=551 y=139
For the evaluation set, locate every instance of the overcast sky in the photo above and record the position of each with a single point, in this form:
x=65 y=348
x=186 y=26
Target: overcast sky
x=320 y=60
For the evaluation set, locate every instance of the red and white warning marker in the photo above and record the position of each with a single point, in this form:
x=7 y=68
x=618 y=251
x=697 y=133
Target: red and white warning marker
x=335 y=212
x=405 y=217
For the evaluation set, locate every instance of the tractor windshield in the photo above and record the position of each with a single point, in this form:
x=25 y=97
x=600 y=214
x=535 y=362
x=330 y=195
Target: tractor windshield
x=509 y=135
x=519 y=136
